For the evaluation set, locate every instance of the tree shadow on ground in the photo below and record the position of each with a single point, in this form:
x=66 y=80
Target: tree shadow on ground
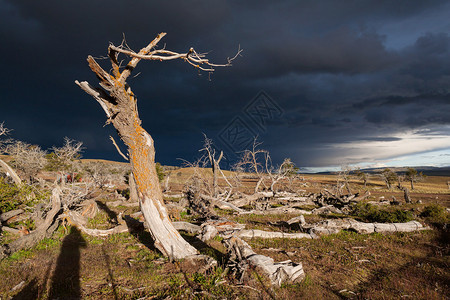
x=30 y=291
x=137 y=229
x=111 y=214
x=204 y=248
x=65 y=283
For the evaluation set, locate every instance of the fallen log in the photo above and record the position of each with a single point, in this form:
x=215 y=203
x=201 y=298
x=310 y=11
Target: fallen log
x=294 y=223
x=220 y=203
x=248 y=199
x=10 y=230
x=8 y=215
x=277 y=210
x=336 y=225
x=242 y=255
x=188 y=227
x=77 y=220
x=222 y=227
x=123 y=203
x=328 y=209
x=174 y=196
x=255 y=233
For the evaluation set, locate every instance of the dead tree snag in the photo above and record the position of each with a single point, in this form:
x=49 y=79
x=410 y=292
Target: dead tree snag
x=120 y=105
x=214 y=162
x=8 y=170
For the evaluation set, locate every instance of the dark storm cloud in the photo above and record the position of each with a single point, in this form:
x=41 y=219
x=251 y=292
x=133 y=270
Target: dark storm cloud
x=326 y=63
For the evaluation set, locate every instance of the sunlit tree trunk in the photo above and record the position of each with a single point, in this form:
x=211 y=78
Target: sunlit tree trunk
x=120 y=106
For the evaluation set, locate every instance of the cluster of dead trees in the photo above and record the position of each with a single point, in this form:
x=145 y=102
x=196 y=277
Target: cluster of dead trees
x=277 y=189
x=30 y=174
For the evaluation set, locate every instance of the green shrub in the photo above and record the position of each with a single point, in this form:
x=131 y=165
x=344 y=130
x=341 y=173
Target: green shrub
x=436 y=214
x=13 y=196
x=370 y=213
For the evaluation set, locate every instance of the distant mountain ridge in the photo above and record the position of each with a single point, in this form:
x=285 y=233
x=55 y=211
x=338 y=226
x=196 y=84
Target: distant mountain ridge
x=427 y=170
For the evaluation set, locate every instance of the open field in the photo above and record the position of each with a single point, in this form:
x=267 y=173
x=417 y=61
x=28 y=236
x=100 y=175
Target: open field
x=72 y=265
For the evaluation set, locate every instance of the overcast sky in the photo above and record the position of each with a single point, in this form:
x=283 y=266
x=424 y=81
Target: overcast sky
x=325 y=83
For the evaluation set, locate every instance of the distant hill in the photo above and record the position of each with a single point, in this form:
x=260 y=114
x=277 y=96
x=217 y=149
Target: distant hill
x=429 y=171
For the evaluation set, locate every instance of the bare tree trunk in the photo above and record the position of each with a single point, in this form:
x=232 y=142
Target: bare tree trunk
x=406 y=194
x=142 y=156
x=133 y=190
x=120 y=106
x=166 y=183
x=11 y=172
x=215 y=185
x=211 y=152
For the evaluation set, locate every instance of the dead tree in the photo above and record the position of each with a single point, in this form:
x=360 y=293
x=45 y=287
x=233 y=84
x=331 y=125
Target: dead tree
x=344 y=175
x=404 y=189
x=8 y=170
x=363 y=176
x=389 y=177
x=214 y=162
x=412 y=175
x=259 y=162
x=66 y=158
x=27 y=159
x=120 y=106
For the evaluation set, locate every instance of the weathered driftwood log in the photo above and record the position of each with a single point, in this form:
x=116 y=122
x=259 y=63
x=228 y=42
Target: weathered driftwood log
x=220 y=203
x=8 y=170
x=278 y=211
x=188 y=227
x=79 y=221
x=10 y=230
x=255 y=233
x=248 y=199
x=297 y=220
x=10 y=214
x=178 y=195
x=227 y=229
x=123 y=203
x=336 y=225
x=294 y=223
x=328 y=209
x=242 y=255
x=18 y=218
x=293 y=197
x=222 y=227
x=42 y=231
